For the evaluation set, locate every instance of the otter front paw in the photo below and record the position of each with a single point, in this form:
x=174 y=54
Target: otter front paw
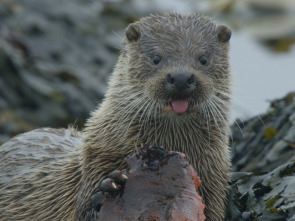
x=114 y=182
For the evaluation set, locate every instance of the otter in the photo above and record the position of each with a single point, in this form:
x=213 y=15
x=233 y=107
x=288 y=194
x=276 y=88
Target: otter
x=170 y=87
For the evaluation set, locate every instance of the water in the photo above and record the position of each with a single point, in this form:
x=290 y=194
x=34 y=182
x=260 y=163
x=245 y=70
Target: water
x=260 y=75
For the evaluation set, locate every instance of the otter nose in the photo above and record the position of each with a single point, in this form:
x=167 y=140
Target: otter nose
x=181 y=81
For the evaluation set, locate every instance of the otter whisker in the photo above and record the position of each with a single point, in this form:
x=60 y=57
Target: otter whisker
x=125 y=100
x=222 y=102
x=202 y=110
x=260 y=120
x=135 y=115
x=215 y=106
x=223 y=93
x=222 y=116
x=143 y=121
x=143 y=113
x=218 y=108
x=158 y=124
x=155 y=114
x=149 y=113
x=212 y=108
x=126 y=111
x=207 y=120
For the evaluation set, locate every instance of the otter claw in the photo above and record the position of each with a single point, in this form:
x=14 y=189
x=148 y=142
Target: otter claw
x=118 y=176
x=109 y=185
x=97 y=200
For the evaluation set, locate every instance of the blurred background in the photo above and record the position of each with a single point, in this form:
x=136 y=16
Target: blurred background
x=56 y=56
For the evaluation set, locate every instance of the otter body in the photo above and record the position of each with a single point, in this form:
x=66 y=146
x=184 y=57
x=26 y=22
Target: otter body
x=170 y=87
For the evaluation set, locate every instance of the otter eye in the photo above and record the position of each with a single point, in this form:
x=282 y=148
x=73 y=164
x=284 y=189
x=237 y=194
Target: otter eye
x=156 y=59
x=203 y=60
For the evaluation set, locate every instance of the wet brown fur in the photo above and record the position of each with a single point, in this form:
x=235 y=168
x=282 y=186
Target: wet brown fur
x=132 y=114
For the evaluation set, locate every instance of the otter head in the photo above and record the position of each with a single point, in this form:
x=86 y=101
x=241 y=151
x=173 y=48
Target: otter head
x=179 y=62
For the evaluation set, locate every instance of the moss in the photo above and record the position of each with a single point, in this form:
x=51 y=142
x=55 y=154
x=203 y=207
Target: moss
x=270 y=132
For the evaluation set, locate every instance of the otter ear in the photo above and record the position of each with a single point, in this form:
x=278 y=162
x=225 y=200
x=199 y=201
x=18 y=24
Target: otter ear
x=223 y=33
x=133 y=33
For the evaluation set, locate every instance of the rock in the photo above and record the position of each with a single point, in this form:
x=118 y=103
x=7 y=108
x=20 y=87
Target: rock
x=161 y=185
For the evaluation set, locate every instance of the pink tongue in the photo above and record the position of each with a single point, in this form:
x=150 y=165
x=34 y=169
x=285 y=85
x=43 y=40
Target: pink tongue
x=180 y=106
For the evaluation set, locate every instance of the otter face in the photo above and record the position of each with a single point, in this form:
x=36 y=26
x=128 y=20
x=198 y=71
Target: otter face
x=180 y=61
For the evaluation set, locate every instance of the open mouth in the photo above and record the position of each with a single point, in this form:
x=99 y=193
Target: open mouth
x=179 y=106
